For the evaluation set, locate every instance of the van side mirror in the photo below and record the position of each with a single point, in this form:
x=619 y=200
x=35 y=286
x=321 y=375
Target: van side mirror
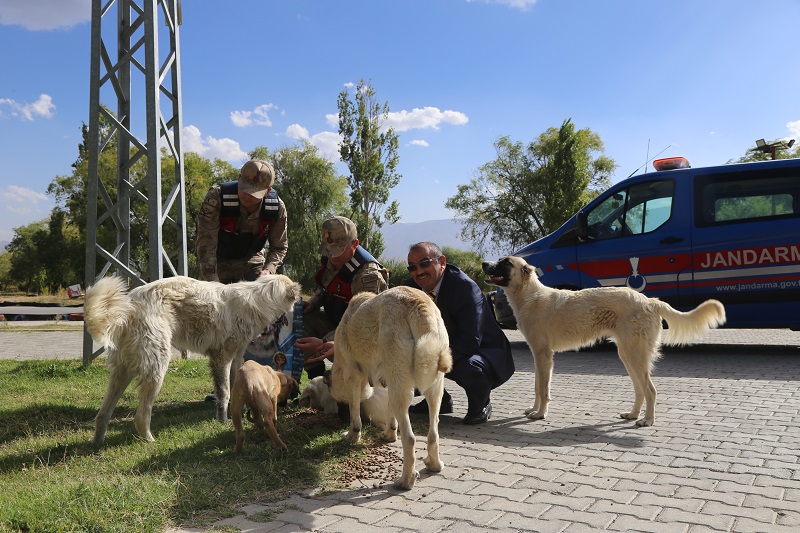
x=582 y=226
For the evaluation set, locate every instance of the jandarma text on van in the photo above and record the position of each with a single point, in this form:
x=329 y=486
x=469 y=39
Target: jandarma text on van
x=777 y=254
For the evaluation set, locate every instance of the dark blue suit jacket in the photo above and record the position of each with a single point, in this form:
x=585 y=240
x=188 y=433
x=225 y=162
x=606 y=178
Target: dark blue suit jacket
x=470 y=323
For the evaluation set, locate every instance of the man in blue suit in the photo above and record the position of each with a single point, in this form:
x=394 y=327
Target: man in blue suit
x=482 y=357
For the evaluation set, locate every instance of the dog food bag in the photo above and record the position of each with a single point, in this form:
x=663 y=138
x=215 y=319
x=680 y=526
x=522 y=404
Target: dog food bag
x=275 y=345
x=298 y=356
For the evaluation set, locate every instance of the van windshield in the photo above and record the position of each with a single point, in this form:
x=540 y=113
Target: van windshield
x=638 y=209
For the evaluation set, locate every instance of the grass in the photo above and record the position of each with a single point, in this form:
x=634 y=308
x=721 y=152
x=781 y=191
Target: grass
x=58 y=298
x=22 y=327
x=53 y=479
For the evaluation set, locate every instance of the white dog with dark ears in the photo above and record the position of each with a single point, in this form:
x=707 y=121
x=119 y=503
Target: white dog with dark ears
x=398 y=338
x=139 y=328
x=554 y=320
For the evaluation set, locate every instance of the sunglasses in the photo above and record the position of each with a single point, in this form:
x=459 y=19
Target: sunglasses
x=425 y=263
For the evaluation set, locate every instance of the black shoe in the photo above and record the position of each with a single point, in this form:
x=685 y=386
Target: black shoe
x=422 y=407
x=480 y=417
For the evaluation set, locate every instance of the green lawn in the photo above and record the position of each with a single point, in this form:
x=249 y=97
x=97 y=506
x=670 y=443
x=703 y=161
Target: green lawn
x=53 y=479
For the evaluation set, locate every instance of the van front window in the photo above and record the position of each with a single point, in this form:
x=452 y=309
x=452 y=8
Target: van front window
x=635 y=210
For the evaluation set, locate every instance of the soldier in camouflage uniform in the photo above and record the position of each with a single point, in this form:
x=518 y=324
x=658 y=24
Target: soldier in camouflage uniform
x=241 y=228
x=241 y=231
x=346 y=269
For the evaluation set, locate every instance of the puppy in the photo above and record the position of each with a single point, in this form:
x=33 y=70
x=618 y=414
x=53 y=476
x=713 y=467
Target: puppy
x=317 y=395
x=374 y=409
x=262 y=389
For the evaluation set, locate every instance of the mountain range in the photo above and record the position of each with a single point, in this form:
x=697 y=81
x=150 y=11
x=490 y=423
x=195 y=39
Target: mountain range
x=398 y=237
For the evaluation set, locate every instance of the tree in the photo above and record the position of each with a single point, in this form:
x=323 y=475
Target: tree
x=370 y=152
x=529 y=191
x=312 y=191
x=783 y=152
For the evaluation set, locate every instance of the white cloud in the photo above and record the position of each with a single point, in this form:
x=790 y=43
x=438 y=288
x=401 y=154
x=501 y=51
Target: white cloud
x=427 y=117
x=296 y=131
x=45 y=14
x=333 y=120
x=16 y=194
x=257 y=117
x=211 y=147
x=794 y=129
x=522 y=5
x=20 y=206
x=41 y=108
x=419 y=142
x=328 y=143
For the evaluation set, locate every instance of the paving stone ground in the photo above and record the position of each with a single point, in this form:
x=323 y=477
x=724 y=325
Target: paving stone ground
x=722 y=456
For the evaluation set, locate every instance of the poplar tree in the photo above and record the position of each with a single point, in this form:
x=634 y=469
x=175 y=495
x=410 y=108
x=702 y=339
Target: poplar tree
x=370 y=152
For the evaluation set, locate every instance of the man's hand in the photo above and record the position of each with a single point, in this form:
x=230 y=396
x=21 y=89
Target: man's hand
x=326 y=350
x=310 y=345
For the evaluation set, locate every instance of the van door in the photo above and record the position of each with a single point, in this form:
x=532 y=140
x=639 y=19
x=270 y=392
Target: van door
x=639 y=237
x=747 y=245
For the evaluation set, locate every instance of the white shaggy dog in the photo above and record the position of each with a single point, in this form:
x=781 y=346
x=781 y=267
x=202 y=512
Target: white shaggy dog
x=553 y=320
x=138 y=328
x=398 y=338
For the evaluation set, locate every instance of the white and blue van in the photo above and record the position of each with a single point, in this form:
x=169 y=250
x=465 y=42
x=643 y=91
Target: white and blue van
x=684 y=235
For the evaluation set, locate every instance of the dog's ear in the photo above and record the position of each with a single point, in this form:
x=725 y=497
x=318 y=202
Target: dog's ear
x=326 y=378
x=527 y=270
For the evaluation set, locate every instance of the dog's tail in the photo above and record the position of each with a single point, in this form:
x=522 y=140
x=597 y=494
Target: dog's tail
x=431 y=337
x=107 y=309
x=685 y=328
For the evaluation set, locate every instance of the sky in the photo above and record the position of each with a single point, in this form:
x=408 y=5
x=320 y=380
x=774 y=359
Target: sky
x=700 y=79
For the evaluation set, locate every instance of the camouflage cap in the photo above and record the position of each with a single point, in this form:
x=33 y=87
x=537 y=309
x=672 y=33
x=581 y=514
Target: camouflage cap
x=337 y=234
x=256 y=178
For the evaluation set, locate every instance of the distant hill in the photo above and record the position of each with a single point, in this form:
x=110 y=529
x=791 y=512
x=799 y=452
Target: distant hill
x=398 y=237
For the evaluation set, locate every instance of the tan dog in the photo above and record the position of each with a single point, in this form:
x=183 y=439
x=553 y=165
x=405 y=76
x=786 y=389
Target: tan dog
x=139 y=327
x=553 y=320
x=262 y=389
x=396 y=337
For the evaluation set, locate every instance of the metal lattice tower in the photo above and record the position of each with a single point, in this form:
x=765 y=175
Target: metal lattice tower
x=128 y=71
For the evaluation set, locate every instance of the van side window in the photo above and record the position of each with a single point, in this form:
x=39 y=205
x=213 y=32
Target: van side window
x=746 y=197
x=635 y=210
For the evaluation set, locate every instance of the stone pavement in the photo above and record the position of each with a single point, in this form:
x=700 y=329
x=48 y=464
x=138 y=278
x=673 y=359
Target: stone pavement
x=722 y=456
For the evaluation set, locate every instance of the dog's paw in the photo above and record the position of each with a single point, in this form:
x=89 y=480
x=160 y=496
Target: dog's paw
x=352 y=436
x=433 y=464
x=645 y=422
x=530 y=410
x=535 y=415
x=629 y=416
x=389 y=435
x=407 y=484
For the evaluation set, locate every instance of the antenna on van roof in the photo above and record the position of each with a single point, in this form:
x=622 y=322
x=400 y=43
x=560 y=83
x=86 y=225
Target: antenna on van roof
x=649 y=159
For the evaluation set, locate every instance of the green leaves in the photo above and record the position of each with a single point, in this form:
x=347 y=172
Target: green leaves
x=530 y=190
